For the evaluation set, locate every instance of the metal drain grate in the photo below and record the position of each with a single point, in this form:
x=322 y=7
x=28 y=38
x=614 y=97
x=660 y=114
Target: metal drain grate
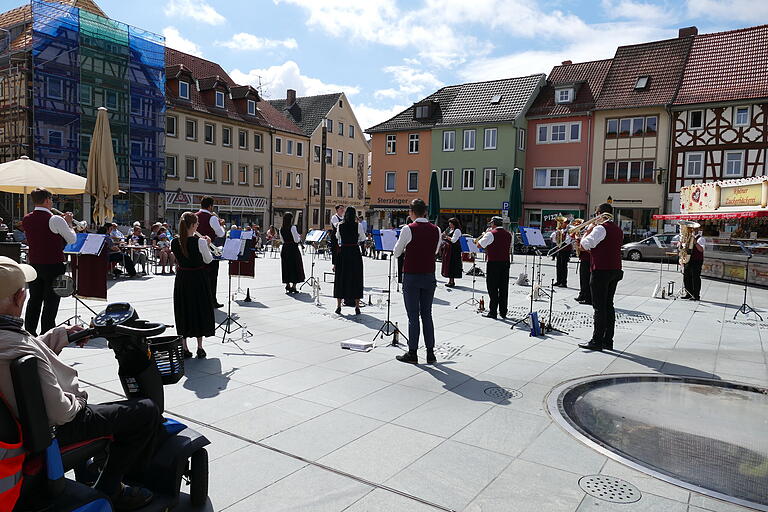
x=499 y=393
x=608 y=488
x=571 y=319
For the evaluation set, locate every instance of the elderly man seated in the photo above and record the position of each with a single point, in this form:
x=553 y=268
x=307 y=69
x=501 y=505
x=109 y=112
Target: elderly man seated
x=134 y=424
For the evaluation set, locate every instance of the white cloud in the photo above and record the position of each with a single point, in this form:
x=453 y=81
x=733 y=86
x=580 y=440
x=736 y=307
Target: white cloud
x=748 y=11
x=410 y=82
x=276 y=80
x=174 y=39
x=368 y=115
x=245 y=41
x=198 y=10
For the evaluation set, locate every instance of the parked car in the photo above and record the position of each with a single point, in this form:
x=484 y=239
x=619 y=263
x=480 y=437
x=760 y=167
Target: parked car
x=652 y=248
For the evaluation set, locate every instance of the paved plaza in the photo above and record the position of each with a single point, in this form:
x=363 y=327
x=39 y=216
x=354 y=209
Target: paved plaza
x=296 y=423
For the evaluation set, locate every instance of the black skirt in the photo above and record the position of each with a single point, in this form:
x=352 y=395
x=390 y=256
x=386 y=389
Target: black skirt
x=291 y=264
x=348 y=280
x=192 y=307
x=451 y=266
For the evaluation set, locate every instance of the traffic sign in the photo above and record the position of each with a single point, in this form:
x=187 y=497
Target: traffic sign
x=505 y=205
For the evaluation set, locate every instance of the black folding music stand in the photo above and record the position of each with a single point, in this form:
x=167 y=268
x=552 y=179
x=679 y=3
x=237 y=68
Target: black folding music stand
x=226 y=324
x=549 y=326
x=472 y=301
x=745 y=308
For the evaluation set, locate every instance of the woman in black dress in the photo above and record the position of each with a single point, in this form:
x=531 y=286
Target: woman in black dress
x=290 y=258
x=348 y=281
x=191 y=290
x=451 y=254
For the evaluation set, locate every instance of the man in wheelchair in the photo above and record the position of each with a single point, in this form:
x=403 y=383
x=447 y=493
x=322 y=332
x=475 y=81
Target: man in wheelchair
x=132 y=424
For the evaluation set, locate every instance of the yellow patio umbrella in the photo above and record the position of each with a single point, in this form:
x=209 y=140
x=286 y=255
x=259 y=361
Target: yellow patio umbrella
x=22 y=176
x=102 y=169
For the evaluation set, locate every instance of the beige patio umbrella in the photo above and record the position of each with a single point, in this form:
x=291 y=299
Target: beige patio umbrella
x=22 y=176
x=102 y=169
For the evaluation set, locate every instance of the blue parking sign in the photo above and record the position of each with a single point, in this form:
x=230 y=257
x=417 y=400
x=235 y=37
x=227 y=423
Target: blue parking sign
x=505 y=205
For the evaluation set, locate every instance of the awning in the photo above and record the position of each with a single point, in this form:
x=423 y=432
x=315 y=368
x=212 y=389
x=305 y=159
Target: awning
x=712 y=216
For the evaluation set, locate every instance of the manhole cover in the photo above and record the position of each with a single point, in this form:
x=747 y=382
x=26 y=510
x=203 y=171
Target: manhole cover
x=499 y=393
x=608 y=488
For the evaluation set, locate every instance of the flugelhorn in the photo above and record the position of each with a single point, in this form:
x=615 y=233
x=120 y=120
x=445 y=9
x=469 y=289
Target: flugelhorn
x=79 y=225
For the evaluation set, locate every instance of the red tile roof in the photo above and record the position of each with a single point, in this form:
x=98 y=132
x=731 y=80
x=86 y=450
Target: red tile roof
x=662 y=61
x=726 y=66
x=588 y=75
x=198 y=66
x=276 y=119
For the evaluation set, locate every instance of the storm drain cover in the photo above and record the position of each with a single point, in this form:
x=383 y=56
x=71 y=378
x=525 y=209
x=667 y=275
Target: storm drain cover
x=499 y=393
x=608 y=488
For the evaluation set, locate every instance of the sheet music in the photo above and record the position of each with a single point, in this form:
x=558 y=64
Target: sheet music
x=231 y=249
x=92 y=244
x=388 y=239
x=471 y=245
x=246 y=235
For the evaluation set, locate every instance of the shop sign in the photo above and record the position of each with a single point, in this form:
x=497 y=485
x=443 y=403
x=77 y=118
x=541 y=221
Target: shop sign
x=743 y=195
x=478 y=212
x=182 y=199
x=699 y=198
x=551 y=215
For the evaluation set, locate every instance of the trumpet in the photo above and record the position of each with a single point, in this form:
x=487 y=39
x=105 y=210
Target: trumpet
x=79 y=225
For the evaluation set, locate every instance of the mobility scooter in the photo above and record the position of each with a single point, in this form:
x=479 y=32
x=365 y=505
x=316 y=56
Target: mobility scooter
x=146 y=361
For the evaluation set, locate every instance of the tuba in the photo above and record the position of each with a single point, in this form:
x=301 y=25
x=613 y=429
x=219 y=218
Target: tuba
x=687 y=240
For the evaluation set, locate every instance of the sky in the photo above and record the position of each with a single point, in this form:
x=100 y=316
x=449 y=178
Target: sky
x=387 y=54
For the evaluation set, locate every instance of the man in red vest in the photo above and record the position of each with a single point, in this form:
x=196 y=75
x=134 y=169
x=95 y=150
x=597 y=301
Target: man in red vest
x=420 y=240
x=497 y=242
x=604 y=243
x=47 y=234
x=210 y=226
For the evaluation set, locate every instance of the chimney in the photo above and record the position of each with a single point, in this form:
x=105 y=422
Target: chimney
x=290 y=98
x=567 y=63
x=687 y=32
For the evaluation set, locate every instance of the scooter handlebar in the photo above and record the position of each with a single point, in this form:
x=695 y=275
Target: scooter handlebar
x=80 y=335
x=149 y=330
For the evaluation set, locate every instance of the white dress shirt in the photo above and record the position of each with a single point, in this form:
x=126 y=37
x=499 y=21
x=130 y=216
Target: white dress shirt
x=406 y=236
x=58 y=225
x=702 y=242
x=566 y=240
x=361 y=236
x=486 y=239
x=215 y=224
x=205 y=250
x=595 y=236
x=335 y=220
x=294 y=234
x=456 y=235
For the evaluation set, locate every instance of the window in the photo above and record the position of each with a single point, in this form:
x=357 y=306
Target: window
x=329 y=125
x=391 y=144
x=694 y=165
x=191 y=169
x=449 y=141
x=86 y=94
x=650 y=125
x=629 y=171
x=638 y=126
x=110 y=100
x=170 y=166
x=413 y=143
x=734 y=163
x=469 y=140
x=243 y=174
x=136 y=149
x=389 y=182
x=350 y=160
x=210 y=170
x=625 y=127
x=564 y=95
x=315 y=216
x=299 y=149
x=612 y=128
x=278 y=145
x=328 y=155
x=446 y=179
x=575 y=134
x=191 y=129
x=226 y=136
x=288 y=179
x=258 y=176
x=622 y=173
x=489 y=138
x=341 y=128
x=556 y=178
x=242 y=139
x=278 y=179
x=495 y=99
x=327 y=191
x=316 y=153
x=741 y=116
x=340 y=189
x=339 y=158
x=170 y=125
x=219 y=99
x=251 y=107
x=316 y=186
x=135 y=105
x=413 y=181
x=350 y=190
x=226 y=172
x=467 y=179
x=257 y=142
x=421 y=112
x=183 y=89
x=351 y=131
x=489 y=179
x=642 y=83
x=327 y=215
x=298 y=180
x=85 y=143
x=558 y=133
x=521 y=139
x=209 y=133
x=288 y=147
x=631 y=127
x=696 y=119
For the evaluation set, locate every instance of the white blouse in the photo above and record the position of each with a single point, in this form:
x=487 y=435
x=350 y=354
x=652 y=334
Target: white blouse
x=294 y=233
x=205 y=250
x=456 y=235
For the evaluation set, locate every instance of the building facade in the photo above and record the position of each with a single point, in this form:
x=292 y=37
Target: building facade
x=560 y=130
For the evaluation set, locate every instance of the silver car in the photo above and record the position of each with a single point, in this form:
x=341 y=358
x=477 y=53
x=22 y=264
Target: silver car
x=652 y=248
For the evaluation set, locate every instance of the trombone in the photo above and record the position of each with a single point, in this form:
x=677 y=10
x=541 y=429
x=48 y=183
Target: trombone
x=576 y=229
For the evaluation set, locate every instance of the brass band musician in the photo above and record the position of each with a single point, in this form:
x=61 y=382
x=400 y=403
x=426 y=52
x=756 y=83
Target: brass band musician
x=585 y=295
x=691 y=249
x=561 y=238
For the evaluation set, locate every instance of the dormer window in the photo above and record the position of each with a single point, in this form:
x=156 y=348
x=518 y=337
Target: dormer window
x=219 y=99
x=424 y=110
x=183 y=89
x=495 y=99
x=642 y=83
x=251 y=108
x=564 y=95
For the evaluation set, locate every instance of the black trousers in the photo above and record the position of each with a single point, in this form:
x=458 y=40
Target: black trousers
x=213 y=277
x=692 y=278
x=134 y=425
x=497 y=281
x=561 y=263
x=42 y=296
x=125 y=261
x=584 y=274
x=603 y=286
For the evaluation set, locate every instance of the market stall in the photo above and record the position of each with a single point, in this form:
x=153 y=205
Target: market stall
x=729 y=212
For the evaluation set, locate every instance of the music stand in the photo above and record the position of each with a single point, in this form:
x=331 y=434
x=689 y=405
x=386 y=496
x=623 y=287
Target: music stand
x=75 y=250
x=527 y=317
x=532 y=237
x=230 y=253
x=468 y=245
x=549 y=327
x=386 y=243
x=313 y=236
x=745 y=308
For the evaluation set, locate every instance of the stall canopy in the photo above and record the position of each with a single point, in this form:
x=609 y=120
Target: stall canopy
x=712 y=216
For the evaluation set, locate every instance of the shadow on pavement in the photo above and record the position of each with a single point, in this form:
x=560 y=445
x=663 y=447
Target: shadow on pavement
x=666 y=368
x=462 y=384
